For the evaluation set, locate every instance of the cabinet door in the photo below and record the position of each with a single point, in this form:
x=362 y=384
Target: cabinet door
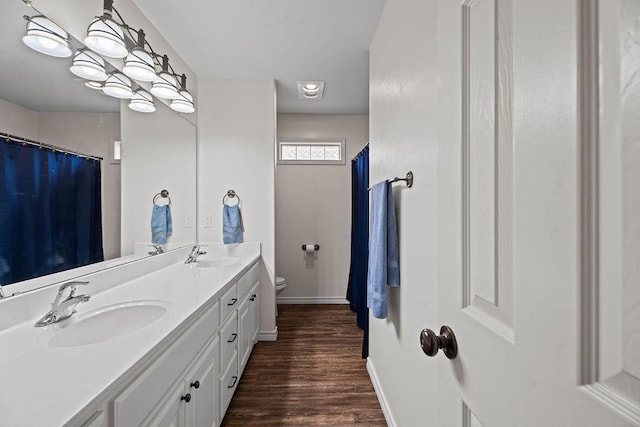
x=245 y=330
x=255 y=327
x=202 y=384
x=172 y=411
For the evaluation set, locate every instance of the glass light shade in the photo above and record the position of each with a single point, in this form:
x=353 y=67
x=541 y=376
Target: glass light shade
x=105 y=37
x=311 y=87
x=142 y=102
x=46 y=37
x=165 y=86
x=88 y=65
x=94 y=85
x=183 y=104
x=139 y=66
x=118 y=85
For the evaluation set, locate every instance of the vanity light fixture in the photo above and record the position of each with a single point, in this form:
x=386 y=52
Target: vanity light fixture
x=105 y=36
x=94 y=85
x=184 y=103
x=88 y=65
x=118 y=85
x=165 y=85
x=139 y=64
x=142 y=102
x=46 y=37
x=310 y=89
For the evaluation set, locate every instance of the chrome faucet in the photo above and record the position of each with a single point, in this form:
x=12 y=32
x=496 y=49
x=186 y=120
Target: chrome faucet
x=63 y=308
x=157 y=250
x=195 y=253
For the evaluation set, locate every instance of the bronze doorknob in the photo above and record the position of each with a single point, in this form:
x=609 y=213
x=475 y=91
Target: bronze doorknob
x=431 y=343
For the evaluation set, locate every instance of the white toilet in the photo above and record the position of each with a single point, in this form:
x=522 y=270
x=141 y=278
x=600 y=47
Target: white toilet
x=281 y=283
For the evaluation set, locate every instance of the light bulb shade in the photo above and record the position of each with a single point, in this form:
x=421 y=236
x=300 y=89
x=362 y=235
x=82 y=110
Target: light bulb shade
x=88 y=65
x=118 y=85
x=105 y=37
x=165 y=86
x=139 y=66
x=142 y=102
x=46 y=37
x=184 y=103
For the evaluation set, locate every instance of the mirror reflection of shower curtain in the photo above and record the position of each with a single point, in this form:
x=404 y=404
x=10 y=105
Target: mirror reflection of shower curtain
x=50 y=211
x=357 y=288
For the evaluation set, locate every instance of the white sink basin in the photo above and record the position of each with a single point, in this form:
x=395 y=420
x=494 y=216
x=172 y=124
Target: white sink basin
x=223 y=261
x=107 y=323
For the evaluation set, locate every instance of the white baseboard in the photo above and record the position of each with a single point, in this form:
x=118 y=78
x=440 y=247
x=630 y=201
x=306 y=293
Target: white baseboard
x=311 y=300
x=268 y=335
x=381 y=398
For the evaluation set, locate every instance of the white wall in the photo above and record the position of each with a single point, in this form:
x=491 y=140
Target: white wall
x=313 y=205
x=91 y=133
x=403 y=117
x=18 y=121
x=236 y=135
x=158 y=153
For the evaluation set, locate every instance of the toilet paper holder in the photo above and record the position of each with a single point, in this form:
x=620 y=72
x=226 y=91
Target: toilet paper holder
x=316 y=247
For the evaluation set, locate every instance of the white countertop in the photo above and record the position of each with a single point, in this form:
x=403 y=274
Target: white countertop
x=45 y=386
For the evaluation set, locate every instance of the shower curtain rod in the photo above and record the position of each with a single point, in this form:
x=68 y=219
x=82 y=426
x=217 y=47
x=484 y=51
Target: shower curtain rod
x=38 y=144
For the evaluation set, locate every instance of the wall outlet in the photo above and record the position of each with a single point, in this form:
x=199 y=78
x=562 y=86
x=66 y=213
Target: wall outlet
x=208 y=221
x=187 y=221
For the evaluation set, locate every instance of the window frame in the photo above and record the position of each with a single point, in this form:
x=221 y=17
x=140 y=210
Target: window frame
x=341 y=142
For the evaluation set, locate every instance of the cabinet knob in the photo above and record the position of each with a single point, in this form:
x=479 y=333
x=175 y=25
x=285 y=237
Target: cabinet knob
x=186 y=397
x=195 y=384
x=254 y=295
x=252 y=298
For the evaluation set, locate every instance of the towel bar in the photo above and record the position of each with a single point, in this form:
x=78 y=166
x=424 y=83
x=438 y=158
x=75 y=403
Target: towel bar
x=164 y=194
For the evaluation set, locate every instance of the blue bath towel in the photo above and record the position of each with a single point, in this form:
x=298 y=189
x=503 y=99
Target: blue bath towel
x=232 y=226
x=384 y=267
x=161 y=224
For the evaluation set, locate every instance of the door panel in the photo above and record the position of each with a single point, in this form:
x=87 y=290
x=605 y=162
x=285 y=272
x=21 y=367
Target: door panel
x=509 y=219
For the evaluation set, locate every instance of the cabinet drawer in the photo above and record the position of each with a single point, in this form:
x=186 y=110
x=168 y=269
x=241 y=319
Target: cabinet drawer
x=228 y=302
x=136 y=402
x=248 y=280
x=228 y=340
x=228 y=383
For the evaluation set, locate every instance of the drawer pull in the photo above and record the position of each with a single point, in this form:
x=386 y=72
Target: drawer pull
x=235 y=380
x=233 y=301
x=254 y=295
x=252 y=298
x=186 y=397
x=233 y=337
x=195 y=384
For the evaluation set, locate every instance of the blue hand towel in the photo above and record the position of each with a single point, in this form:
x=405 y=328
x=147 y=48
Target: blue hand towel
x=161 y=224
x=384 y=269
x=232 y=226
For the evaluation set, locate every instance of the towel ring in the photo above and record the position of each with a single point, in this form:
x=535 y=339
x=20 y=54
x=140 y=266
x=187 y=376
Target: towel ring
x=163 y=194
x=230 y=194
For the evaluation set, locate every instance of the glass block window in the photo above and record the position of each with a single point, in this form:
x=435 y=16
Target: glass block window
x=311 y=152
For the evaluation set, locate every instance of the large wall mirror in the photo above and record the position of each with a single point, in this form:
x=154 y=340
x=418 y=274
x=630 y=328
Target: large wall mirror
x=41 y=100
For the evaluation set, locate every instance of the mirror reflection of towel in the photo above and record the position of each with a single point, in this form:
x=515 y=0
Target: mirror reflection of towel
x=161 y=224
x=232 y=226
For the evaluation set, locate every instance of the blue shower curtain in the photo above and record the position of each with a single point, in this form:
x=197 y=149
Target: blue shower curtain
x=50 y=212
x=357 y=288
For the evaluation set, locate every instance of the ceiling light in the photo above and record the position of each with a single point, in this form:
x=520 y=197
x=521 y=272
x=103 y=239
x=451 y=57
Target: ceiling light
x=310 y=89
x=118 y=85
x=46 y=37
x=184 y=103
x=139 y=63
x=142 y=102
x=88 y=65
x=165 y=85
x=105 y=36
x=94 y=85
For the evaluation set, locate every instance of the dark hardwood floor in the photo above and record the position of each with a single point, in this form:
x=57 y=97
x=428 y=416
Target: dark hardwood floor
x=313 y=375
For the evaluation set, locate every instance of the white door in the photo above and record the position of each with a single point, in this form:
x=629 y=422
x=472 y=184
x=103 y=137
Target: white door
x=539 y=212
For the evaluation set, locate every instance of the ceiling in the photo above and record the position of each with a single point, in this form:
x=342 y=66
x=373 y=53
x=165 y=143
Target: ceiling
x=285 y=40
x=37 y=81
